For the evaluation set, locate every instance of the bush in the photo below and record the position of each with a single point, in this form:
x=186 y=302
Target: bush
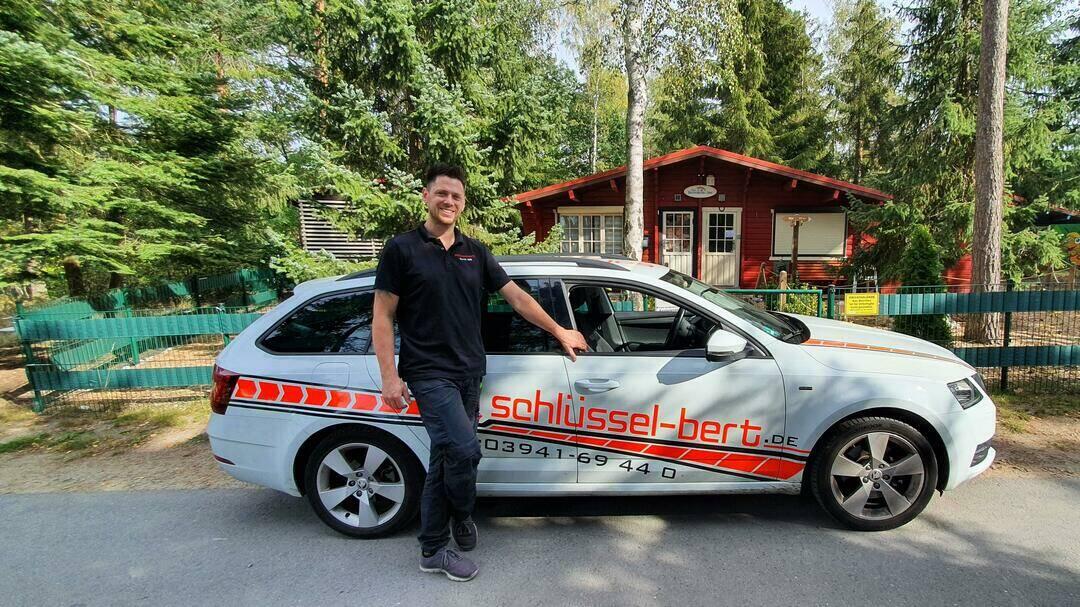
x=921 y=267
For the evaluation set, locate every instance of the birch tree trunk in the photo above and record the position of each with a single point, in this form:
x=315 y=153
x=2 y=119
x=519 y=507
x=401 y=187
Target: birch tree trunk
x=633 y=212
x=594 y=152
x=989 y=164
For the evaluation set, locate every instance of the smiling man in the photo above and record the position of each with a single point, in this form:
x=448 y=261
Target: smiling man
x=434 y=282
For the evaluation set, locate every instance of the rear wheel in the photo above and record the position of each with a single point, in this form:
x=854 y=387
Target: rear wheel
x=874 y=473
x=363 y=484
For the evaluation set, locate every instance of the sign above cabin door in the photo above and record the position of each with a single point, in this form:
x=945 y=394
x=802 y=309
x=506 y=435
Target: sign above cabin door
x=677 y=241
x=721 y=236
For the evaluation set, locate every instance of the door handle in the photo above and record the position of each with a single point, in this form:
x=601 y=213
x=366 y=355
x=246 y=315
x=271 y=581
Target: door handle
x=596 y=385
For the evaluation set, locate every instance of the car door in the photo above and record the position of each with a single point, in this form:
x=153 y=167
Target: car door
x=525 y=379
x=653 y=408
x=522 y=429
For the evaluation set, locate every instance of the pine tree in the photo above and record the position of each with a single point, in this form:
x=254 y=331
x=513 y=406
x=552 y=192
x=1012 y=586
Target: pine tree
x=390 y=87
x=921 y=268
x=863 y=80
x=794 y=87
x=931 y=153
x=745 y=77
x=156 y=166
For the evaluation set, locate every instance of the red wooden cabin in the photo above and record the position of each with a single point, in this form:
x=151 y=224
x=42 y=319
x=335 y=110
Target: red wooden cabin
x=713 y=214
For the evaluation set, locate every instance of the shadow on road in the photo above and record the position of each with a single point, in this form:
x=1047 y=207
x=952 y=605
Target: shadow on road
x=792 y=509
x=968 y=548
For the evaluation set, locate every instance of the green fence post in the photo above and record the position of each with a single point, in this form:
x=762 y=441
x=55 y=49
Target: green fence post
x=194 y=289
x=243 y=289
x=830 y=309
x=224 y=337
x=818 y=303
x=1005 y=341
x=28 y=354
x=134 y=341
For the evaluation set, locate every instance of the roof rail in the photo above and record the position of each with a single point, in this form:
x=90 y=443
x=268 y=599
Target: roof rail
x=360 y=274
x=580 y=260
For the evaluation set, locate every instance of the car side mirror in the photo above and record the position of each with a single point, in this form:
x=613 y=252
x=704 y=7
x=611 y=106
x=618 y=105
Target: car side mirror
x=724 y=346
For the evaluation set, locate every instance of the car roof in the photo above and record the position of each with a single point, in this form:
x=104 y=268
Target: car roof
x=564 y=264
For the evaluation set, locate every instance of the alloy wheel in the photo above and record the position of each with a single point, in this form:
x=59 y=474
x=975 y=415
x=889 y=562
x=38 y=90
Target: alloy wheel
x=877 y=475
x=360 y=485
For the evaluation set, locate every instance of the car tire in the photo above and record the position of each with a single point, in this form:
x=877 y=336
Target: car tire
x=363 y=483
x=874 y=473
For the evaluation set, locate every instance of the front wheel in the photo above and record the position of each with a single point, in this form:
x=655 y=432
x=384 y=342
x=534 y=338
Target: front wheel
x=874 y=473
x=363 y=484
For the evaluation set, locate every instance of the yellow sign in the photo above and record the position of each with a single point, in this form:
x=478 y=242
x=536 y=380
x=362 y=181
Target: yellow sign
x=861 y=304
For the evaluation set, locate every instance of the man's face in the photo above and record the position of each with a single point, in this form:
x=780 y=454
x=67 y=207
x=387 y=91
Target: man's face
x=445 y=199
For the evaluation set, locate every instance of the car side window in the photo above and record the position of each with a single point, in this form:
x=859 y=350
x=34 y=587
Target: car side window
x=505 y=331
x=337 y=323
x=627 y=320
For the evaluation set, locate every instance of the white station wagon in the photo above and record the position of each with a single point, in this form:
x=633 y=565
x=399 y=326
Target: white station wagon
x=685 y=390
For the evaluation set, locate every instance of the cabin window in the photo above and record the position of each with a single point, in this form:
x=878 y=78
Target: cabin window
x=593 y=231
x=824 y=235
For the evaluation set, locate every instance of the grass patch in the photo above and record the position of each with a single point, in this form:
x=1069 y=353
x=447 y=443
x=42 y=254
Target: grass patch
x=24 y=442
x=74 y=441
x=10 y=413
x=1016 y=410
x=162 y=417
x=1013 y=420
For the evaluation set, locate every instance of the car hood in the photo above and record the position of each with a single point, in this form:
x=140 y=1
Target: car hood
x=849 y=347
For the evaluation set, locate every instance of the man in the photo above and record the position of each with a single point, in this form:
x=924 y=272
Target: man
x=435 y=282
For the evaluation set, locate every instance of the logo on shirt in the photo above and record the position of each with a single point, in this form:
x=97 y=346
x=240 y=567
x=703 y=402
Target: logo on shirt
x=464 y=257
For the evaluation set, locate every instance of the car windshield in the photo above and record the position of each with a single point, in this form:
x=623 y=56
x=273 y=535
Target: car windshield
x=774 y=325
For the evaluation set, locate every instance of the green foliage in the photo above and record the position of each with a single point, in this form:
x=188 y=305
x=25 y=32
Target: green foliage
x=930 y=156
x=863 y=80
x=128 y=151
x=399 y=85
x=745 y=77
x=921 y=267
x=142 y=142
x=298 y=265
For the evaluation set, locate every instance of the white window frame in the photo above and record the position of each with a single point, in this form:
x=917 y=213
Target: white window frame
x=581 y=212
x=807 y=255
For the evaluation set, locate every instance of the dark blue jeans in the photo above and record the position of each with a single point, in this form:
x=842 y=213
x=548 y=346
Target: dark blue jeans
x=448 y=408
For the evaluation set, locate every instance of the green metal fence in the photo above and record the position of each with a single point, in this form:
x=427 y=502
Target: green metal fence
x=1023 y=337
x=249 y=287
x=97 y=351
x=80 y=356
x=96 y=361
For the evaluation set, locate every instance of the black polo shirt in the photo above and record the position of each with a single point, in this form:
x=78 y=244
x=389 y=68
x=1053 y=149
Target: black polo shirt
x=441 y=297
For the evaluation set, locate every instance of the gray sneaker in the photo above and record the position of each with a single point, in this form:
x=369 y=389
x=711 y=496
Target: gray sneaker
x=448 y=561
x=464 y=534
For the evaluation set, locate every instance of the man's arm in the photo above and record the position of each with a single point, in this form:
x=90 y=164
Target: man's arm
x=394 y=392
x=530 y=310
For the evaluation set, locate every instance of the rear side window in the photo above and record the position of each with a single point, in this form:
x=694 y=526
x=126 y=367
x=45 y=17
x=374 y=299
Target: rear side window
x=506 y=332
x=336 y=323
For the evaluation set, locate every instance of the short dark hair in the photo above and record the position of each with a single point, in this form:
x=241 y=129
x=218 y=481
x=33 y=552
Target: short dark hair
x=442 y=169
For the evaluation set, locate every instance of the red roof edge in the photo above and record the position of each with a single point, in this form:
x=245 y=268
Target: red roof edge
x=704 y=150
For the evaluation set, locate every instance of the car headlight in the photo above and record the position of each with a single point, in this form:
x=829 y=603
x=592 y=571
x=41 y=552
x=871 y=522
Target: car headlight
x=980 y=381
x=965 y=392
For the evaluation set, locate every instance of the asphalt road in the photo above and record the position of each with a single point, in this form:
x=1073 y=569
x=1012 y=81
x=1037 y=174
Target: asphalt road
x=997 y=541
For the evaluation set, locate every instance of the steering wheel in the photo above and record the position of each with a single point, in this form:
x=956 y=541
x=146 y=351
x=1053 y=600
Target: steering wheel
x=673 y=332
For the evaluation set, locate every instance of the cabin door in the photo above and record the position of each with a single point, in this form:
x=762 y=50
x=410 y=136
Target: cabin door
x=677 y=241
x=721 y=235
